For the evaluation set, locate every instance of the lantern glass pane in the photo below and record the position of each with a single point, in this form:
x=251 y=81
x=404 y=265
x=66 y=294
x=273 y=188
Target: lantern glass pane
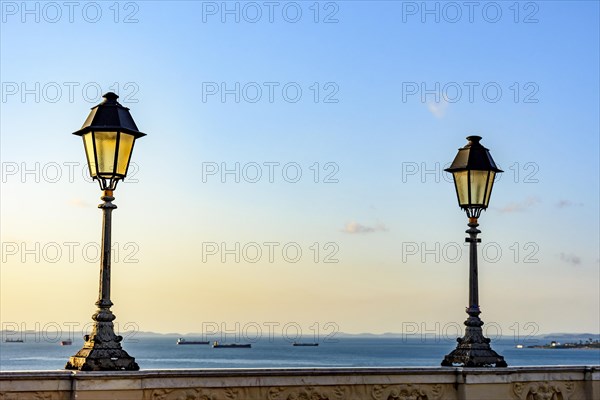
x=461 y=181
x=89 y=153
x=489 y=187
x=125 y=147
x=478 y=184
x=106 y=143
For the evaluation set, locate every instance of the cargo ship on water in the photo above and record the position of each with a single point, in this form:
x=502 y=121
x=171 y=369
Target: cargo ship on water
x=183 y=341
x=218 y=345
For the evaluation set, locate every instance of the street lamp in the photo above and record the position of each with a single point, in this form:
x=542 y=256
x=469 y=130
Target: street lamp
x=474 y=171
x=108 y=133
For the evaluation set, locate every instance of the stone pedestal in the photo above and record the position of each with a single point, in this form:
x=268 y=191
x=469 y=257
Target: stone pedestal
x=102 y=349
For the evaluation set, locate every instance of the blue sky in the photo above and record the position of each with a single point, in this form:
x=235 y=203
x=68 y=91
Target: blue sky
x=361 y=117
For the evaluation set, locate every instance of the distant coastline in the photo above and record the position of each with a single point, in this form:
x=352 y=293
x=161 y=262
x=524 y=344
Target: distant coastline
x=393 y=335
x=588 y=344
x=571 y=339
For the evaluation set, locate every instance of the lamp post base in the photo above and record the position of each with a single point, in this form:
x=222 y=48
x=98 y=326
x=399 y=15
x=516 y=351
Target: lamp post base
x=102 y=360
x=473 y=355
x=102 y=350
x=474 y=349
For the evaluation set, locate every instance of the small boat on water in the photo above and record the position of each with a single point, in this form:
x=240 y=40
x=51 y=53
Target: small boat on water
x=305 y=344
x=217 y=345
x=519 y=346
x=183 y=341
x=67 y=342
x=8 y=340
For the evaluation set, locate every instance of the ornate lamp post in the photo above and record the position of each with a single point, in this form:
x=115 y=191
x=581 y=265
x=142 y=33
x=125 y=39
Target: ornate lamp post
x=474 y=171
x=108 y=133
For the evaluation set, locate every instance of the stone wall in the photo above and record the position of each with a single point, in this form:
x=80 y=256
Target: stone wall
x=518 y=383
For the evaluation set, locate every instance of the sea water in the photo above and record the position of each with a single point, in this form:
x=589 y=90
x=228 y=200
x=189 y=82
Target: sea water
x=162 y=352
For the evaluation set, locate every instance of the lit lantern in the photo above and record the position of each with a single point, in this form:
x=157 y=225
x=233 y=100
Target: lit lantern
x=474 y=172
x=109 y=134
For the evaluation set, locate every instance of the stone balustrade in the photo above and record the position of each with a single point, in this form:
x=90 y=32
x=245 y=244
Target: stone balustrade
x=519 y=383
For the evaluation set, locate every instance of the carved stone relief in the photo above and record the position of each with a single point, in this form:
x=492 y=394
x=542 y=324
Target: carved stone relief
x=407 y=392
x=307 y=393
x=193 y=394
x=32 y=396
x=543 y=390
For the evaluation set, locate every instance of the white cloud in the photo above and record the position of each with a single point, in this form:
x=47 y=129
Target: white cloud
x=570 y=258
x=438 y=109
x=78 y=202
x=524 y=205
x=567 y=203
x=355 y=227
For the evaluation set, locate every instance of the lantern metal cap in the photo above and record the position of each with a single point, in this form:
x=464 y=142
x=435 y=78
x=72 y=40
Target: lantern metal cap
x=473 y=157
x=110 y=115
